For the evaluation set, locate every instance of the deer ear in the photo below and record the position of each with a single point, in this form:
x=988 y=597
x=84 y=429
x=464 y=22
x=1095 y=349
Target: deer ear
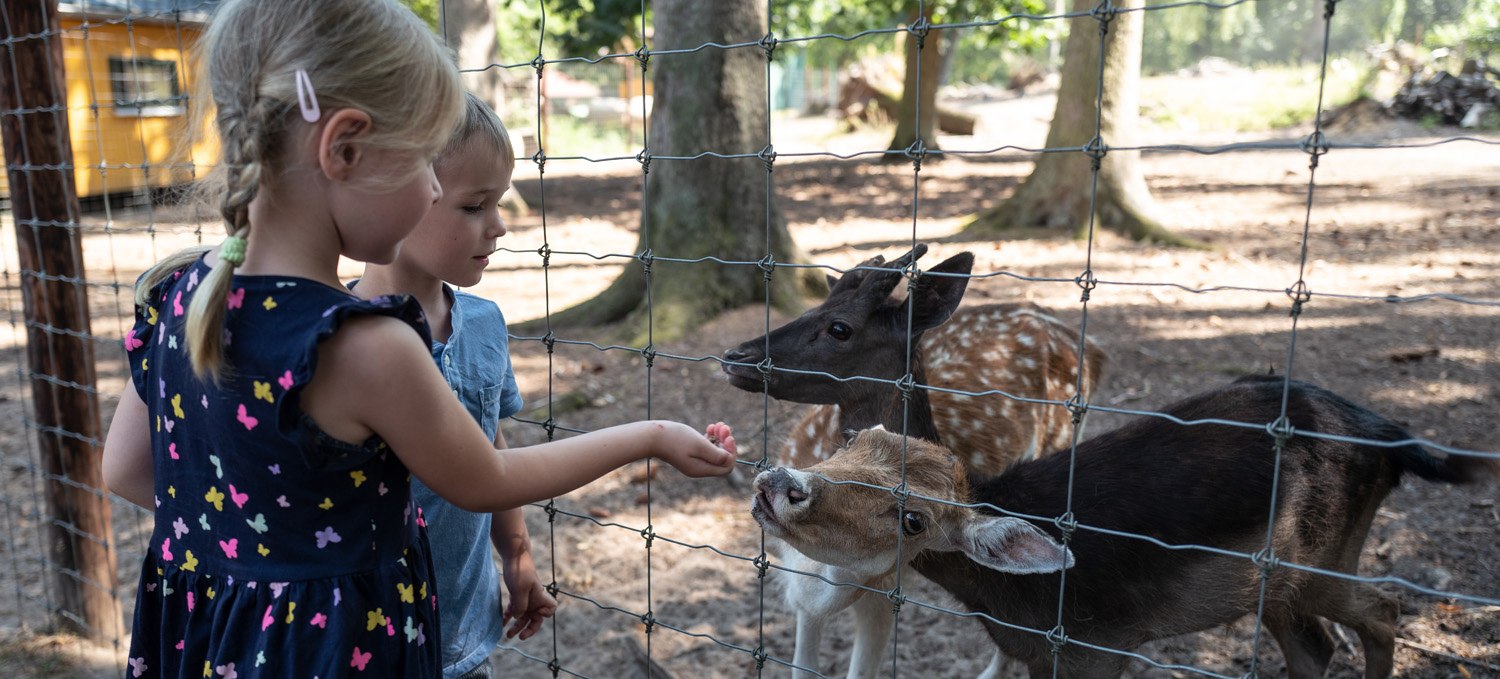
x=937 y=297
x=1011 y=545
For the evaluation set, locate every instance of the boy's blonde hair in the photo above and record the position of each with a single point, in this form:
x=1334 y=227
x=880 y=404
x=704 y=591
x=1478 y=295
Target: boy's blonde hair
x=479 y=122
x=371 y=55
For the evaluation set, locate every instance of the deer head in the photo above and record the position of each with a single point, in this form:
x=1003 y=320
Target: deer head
x=859 y=330
x=841 y=511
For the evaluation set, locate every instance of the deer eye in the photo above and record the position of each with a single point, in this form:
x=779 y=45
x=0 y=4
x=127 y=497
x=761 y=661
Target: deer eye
x=840 y=331
x=913 y=523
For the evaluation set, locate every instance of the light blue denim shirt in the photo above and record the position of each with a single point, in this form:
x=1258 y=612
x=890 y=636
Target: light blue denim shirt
x=476 y=363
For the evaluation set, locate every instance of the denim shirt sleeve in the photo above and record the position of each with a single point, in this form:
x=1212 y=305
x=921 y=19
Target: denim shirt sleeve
x=477 y=363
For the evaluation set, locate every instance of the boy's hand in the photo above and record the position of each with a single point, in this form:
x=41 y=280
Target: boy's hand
x=530 y=604
x=697 y=455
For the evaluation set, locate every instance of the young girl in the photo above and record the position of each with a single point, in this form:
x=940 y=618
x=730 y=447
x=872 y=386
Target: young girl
x=276 y=420
x=452 y=245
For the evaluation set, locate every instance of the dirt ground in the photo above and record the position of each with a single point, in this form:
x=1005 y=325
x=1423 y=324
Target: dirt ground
x=1399 y=222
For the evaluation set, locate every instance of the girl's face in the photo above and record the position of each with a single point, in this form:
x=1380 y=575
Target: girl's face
x=454 y=240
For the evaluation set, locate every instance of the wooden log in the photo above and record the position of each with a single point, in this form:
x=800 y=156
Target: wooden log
x=59 y=344
x=859 y=89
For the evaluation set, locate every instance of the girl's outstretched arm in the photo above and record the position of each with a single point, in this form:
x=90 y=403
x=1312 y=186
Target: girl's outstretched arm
x=127 y=451
x=375 y=376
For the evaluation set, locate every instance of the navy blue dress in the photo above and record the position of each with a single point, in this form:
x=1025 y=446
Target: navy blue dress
x=278 y=551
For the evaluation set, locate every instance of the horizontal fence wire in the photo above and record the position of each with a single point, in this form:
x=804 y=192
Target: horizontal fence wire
x=14 y=280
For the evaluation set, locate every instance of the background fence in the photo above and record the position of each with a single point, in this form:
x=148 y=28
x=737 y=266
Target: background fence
x=69 y=553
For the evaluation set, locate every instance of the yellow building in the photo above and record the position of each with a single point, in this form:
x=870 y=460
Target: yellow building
x=128 y=69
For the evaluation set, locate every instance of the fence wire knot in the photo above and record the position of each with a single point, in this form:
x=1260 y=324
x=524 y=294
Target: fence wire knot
x=896 y=598
x=1266 y=560
x=1281 y=429
x=916 y=152
x=552 y=589
x=647 y=258
x=554 y=666
x=545 y=252
x=1067 y=523
x=1077 y=407
x=648 y=535
x=537 y=64
x=760 y=657
x=765 y=368
x=649 y=621
x=767 y=265
x=540 y=159
x=767 y=155
x=768 y=44
x=1057 y=638
x=648 y=352
x=762 y=564
x=1104 y=12
x=1087 y=282
x=551 y=510
x=919 y=29
x=906 y=385
x=901 y=492
x=645 y=160
x=643 y=57
x=1315 y=144
x=550 y=426
x=1300 y=294
x=550 y=341
x=1328 y=7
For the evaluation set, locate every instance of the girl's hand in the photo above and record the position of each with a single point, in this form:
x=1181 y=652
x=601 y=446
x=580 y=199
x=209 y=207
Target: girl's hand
x=530 y=604
x=697 y=455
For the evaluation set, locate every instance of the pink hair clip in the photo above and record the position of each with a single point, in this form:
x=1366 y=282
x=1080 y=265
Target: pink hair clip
x=307 y=100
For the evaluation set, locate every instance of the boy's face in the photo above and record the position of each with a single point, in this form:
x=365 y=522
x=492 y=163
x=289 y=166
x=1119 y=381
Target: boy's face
x=454 y=241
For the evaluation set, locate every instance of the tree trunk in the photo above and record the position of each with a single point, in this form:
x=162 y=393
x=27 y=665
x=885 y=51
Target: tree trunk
x=929 y=59
x=1056 y=195
x=59 y=344
x=710 y=100
x=469 y=29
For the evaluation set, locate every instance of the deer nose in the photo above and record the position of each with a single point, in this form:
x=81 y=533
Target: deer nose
x=737 y=355
x=779 y=482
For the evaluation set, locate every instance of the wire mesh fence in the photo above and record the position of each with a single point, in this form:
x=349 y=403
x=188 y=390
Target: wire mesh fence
x=118 y=69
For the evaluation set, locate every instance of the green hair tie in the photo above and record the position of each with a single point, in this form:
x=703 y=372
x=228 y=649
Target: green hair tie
x=233 y=251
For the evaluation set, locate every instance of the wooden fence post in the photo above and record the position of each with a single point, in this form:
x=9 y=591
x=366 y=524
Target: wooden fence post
x=59 y=344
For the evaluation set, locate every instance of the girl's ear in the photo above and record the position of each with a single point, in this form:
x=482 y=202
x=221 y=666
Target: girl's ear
x=338 y=150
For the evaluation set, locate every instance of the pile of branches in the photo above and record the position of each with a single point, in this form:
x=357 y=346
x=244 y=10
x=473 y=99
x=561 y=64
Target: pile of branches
x=1449 y=99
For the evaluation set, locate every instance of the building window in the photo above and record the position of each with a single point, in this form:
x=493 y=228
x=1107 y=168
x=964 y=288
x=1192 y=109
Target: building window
x=145 y=87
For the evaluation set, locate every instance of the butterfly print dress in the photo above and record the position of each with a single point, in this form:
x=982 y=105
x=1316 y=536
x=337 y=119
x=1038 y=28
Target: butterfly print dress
x=278 y=551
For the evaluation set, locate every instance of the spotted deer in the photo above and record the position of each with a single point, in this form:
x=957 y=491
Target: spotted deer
x=860 y=331
x=1206 y=485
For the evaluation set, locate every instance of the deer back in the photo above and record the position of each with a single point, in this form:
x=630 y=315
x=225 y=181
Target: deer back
x=1017 y=349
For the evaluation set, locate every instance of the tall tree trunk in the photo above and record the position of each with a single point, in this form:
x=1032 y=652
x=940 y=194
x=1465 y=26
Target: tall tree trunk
x=710 y=100
x=1056 y=195
x=469 y=29
x=929 y=59
x=59 y=344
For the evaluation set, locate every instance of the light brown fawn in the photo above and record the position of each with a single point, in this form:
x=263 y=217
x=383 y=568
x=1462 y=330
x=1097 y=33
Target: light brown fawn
x=1193 y=486
x=860 y=332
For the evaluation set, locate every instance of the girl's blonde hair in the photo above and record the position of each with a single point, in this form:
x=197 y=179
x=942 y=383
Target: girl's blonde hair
x=371 y=55
x=480 y=122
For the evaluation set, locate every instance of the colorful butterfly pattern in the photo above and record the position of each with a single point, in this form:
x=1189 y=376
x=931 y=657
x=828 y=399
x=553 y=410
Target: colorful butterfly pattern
x=328 y=568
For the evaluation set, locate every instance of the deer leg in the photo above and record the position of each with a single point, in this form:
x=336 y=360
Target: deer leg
x=814 y=602
x=873 y=623
x=1372 y=614
x=1304 y=642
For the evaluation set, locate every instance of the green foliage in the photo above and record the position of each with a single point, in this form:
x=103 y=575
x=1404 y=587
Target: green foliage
x=1275 y=33
x=1477 y=34
x=1270 y=97
x=428 y=10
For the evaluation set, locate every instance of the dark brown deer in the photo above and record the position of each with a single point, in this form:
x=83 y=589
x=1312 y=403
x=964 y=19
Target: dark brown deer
x=1206 y=484
x=860 y=331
